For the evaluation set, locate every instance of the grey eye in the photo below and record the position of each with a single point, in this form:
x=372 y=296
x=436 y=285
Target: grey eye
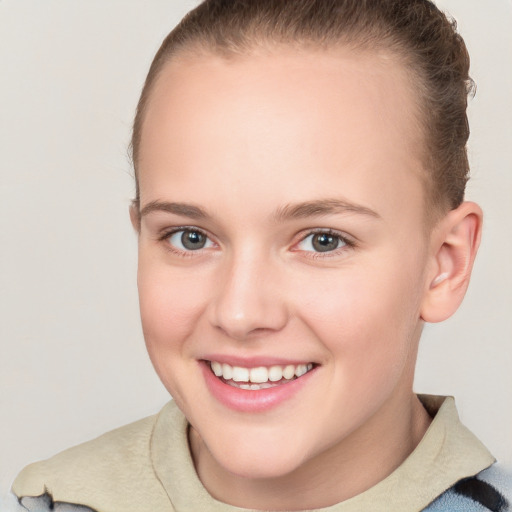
x=321 y=242
x=189 y=240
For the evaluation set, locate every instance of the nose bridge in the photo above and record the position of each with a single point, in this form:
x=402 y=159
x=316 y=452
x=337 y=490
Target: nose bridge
x=248 y=300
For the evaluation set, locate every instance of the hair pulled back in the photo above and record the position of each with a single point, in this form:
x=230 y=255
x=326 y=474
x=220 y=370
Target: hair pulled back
x=415 y=31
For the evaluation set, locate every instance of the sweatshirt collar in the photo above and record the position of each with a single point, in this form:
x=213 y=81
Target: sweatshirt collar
x=447 y=453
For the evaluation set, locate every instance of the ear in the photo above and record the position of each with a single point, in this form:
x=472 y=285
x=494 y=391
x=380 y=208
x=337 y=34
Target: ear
x=455 y=242
x=135 y=215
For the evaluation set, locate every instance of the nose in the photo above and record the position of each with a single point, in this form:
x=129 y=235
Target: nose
x=249 y=300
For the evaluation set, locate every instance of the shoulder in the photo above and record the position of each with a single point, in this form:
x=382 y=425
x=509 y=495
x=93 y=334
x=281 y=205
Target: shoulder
x=490 y=490
x=99 y=456
x=104 y=471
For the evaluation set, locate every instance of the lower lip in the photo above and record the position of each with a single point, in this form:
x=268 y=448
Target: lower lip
x=257 y=400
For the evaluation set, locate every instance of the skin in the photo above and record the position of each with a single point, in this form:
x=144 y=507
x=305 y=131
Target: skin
x=244 y=139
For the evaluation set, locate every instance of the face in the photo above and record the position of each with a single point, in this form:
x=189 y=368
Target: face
x=282 y=248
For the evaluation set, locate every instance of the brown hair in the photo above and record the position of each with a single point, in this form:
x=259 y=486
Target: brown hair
x=415 y=31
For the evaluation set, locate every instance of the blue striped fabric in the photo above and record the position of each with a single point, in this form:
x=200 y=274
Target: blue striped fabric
x=490 y=490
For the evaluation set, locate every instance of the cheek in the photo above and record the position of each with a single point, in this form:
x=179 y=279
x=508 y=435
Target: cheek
x=367 y=316
x=170 y=304
x=367 y=322
x=171 y=301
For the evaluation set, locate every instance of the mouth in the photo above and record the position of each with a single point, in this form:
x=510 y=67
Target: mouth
x=259 y=377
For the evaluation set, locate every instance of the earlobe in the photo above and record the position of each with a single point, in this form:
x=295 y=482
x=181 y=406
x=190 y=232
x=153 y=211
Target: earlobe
x=455 y=243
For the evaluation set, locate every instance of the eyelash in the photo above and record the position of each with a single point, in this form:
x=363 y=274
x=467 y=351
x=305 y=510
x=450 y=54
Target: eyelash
x=348 y=242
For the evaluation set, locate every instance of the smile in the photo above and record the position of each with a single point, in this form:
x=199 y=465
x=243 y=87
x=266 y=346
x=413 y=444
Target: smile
x=256 y=387
x=261 y=377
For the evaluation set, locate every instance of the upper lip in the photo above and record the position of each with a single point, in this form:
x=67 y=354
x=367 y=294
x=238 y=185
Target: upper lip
x=255 y=361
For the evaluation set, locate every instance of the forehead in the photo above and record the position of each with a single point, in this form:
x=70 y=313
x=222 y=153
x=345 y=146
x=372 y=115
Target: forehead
x=304 y=119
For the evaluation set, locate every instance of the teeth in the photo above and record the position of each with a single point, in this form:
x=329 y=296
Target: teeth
x=289 y=371
x=252 y=387
x=259 y=377
x=240 y=374
x=217 y=368
x=275 y=373
x=301 y=370
x=227 y=371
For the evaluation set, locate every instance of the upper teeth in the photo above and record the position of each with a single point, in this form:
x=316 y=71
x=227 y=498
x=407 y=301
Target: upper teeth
x=259 y=374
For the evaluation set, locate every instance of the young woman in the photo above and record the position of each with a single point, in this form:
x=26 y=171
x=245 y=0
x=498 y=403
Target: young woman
x=300 y=170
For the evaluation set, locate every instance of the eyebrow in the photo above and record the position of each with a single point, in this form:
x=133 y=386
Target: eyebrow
x=182 y=209
x=322 y=207
x=306 y=209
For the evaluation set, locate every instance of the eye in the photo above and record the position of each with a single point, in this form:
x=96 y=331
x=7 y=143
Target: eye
x=189 y=240
x=322 y=242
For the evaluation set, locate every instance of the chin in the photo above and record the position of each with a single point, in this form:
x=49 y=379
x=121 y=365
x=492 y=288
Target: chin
x=252 y=458
x=261 y=467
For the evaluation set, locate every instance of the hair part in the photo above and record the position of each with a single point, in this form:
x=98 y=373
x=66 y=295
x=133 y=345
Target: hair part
x=423 y=39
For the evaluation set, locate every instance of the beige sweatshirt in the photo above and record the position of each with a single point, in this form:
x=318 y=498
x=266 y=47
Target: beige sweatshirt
x=146 y=467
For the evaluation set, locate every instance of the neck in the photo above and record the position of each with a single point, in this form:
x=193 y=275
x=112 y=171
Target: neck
x=355 y=464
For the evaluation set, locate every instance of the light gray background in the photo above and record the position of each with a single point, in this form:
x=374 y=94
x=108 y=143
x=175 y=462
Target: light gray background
x=72 y=358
